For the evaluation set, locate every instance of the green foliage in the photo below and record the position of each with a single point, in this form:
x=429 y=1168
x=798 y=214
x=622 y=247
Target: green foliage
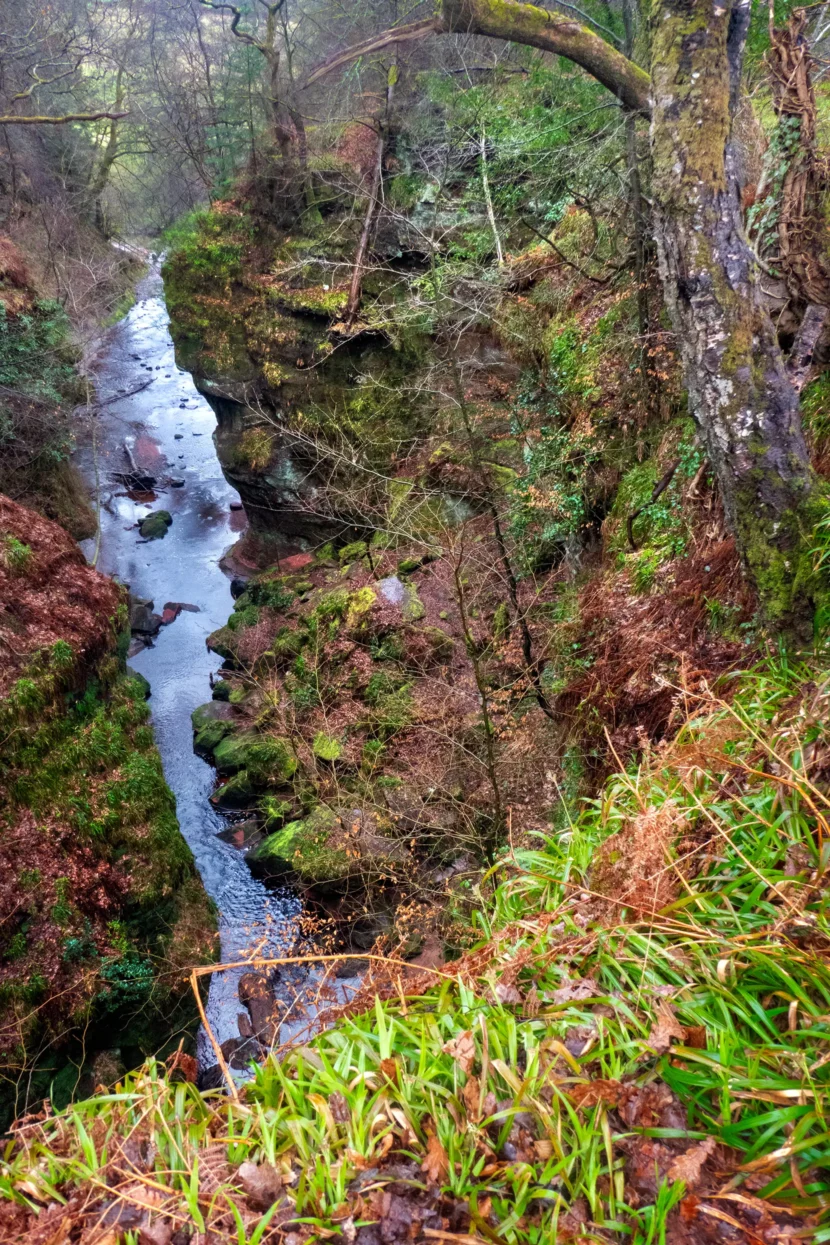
x=327 y=747
x=14 y=555
x=35 y=357
x=735 y=961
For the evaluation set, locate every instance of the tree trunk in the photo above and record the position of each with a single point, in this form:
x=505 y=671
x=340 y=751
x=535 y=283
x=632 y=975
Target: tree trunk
x=739 y=390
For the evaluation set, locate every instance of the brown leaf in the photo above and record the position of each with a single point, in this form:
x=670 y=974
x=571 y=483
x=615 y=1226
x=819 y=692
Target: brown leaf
x=463 y=1050
x=580 y=988
x=389 y=1068
x=471 y=1093
x=590 y=1094
x=262 y=1183
x=696 y=1037
x=665 y=1027
x=688 y=1166
x=507 y=993
x=339 y=1108
x=155 y=1234
x=436 y=1165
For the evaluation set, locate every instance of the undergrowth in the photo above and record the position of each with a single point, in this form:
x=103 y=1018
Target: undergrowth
x=640 y=1036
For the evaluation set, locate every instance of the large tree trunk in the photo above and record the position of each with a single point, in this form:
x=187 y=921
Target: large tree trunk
x=739 y=389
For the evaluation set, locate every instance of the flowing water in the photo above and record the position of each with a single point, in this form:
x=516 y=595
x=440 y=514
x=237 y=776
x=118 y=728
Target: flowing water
x=168 y=427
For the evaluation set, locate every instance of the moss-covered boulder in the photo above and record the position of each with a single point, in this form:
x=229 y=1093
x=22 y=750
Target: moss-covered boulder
x=155 y=526
x=329 y=851
x=211 y=723
x=266 y=758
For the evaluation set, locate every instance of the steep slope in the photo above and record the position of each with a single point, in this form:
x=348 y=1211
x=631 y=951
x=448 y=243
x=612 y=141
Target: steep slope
x=100 y=905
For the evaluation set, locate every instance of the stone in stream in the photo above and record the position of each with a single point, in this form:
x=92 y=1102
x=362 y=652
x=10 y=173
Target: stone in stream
x=256 y=993
x=178 y=436
x=142 y=619
x=155 y=526
x=211 y=723
x=175 y=482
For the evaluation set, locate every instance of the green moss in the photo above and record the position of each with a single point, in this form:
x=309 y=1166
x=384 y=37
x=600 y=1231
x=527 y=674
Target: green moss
x=360 y=605
x=210 y=726
x=266 y=758
x=351 y=553
x=155 y=526
x=327 y=747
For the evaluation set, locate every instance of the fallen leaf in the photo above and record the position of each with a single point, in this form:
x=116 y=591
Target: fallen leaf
x=261 y=1182
x=155 y=1234
x=696 y=1037
x=471 y=1093
x=588 y=1095
x=463 y=1050
x=580 y=988
x=389 y=1068
x=507 y=993
x=688 y=1166
x=436 y=1165
x=339 y=1108
x=666 y=1027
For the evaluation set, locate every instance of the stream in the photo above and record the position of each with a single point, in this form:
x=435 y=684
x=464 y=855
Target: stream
x=169 y=429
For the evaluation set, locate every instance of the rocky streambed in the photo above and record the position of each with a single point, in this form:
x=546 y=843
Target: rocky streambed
x=154 y=425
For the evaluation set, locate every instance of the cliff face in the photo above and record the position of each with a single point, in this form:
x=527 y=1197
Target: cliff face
x=100 y=904
x=313 y=414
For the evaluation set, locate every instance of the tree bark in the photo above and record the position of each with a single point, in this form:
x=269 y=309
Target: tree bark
x=739 y=390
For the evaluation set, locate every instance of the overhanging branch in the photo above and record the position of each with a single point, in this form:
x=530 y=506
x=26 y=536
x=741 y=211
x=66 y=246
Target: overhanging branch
x=65 y=119
x=517 y=23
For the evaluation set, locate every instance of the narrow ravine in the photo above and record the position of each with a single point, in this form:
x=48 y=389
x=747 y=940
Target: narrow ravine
x=168 y=427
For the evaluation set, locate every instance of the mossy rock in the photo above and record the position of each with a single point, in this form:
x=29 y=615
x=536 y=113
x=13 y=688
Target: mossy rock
x=440 y=643
x=155 y=526
x=211 y=723
x=310 y=849
x=144 y=684
x=222 y=690
x=238 y=792
x=223 y=642
x=351 y=553
x=265 y=758
x=407 y=565
x=327 y=747
x=289 y=643
x=302 y=848
x=360 y=605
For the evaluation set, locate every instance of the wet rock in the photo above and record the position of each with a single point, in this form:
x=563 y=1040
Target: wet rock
x=178 y=436
x=182 y=605
x=237 y=505
x=176 y=481
x=222 y=690
x=238 y=586
x=237 y=792
x=142 y=619
x=155 y=526
x=256 y=993
x=170 y=613
x=243 y=835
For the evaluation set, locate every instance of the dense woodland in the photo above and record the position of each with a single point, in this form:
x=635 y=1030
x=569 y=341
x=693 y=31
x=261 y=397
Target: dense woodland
x=515 y=322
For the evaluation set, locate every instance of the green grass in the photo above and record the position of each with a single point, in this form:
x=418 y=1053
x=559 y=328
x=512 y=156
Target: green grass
x=480 y=1077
